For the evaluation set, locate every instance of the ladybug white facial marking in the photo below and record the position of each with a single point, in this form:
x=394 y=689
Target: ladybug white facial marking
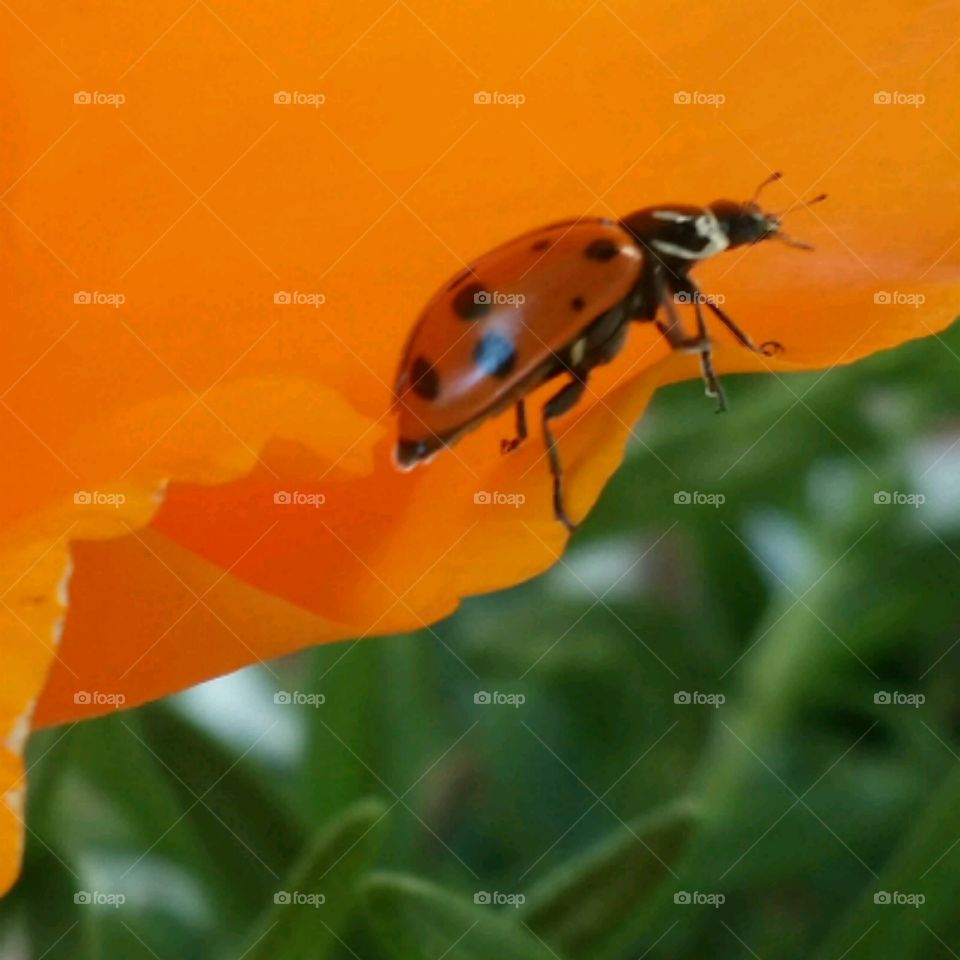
x=701 y=235
x=672 y=216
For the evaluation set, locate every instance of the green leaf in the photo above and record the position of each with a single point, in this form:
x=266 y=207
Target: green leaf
x=248 y=828
x=311 y=909
x=128 y=802
x=588 y=899
x=925 y=867
x=413 y=919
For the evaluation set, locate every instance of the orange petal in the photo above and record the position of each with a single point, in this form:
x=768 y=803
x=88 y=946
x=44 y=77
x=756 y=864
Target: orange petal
x=199 y=199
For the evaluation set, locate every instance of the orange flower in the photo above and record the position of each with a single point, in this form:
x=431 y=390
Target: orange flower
x=169 y=177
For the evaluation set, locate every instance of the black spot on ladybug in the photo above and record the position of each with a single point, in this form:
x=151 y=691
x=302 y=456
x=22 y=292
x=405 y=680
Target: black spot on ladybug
x=602 y=250
x=495 y=355
x=578 y=303
x=410 y=451
x=424 y=380
x=541 y=245
x=472 y=302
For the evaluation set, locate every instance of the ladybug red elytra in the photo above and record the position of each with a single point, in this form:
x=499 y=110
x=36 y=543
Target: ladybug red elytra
x=558 y=301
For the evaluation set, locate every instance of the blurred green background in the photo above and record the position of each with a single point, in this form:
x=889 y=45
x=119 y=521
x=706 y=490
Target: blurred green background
x=724 y=729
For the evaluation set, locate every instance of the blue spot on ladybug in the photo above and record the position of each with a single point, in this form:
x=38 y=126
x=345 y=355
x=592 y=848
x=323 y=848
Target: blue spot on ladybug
x=495 y=355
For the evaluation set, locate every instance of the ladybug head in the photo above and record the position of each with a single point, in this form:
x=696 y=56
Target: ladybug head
x=745 y=223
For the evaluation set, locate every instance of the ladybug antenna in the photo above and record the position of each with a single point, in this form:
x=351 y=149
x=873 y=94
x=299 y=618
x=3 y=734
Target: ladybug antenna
x=802 y=203
x=773 y=178
x=790 y=241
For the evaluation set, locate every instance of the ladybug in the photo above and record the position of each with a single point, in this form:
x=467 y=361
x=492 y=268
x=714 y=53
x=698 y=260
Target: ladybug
x=557 y=302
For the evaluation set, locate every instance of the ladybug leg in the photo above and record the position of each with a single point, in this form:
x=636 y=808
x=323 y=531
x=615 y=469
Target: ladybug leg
x=767 y=349
x=710 y=381
x=557 y=405
x=507 y=445
x=673 y=329
x=701 y=342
